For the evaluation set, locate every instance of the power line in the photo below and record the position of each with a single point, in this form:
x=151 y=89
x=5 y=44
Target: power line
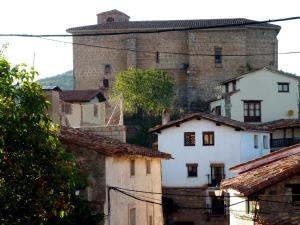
x=168 y=52
x=157 y=30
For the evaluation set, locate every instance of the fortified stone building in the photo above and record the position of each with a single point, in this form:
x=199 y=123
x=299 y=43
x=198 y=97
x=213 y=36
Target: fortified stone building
x=198 y=55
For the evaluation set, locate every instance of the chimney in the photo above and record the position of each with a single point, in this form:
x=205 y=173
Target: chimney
x=165 y=117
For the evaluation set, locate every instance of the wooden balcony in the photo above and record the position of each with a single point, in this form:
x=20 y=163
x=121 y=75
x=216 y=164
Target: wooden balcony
x=283 y=142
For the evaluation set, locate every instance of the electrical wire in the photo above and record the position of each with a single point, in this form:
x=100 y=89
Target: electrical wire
x=161 y=30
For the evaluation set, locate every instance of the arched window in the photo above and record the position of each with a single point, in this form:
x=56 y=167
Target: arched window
x=110 y=19
x=105 y=83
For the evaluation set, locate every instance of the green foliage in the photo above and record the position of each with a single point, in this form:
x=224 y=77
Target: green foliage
x=64 y=81
x=149 y=90
x=37 y=177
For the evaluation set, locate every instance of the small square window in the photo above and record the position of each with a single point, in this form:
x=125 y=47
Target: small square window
x=66 y=108
x=107 y=69
x=208 y=138
x=132 y=167
x=157 y=57
x=192 y=169
x=189 y=138
x=283 y=87
x=148 y=167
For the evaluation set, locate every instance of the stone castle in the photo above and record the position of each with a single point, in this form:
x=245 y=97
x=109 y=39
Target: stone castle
x=197 y=58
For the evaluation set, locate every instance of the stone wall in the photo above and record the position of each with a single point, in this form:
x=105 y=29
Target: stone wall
x=192 y=66
x=115 y=132
x=193 y=205
x=92 y=168
x=275 y=204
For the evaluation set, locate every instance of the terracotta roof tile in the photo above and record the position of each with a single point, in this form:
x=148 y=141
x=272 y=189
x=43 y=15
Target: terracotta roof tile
x=282 y=123
x=265 y=175
x=105 y=145
x=81 y=95
x=169 y=24
x=217 y=119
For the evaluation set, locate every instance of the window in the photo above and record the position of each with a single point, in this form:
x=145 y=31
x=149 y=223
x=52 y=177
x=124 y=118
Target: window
x=107 y=69
x=132 y=216
x=189 y=138
x=216 y=174
x=217 y=205
x=150 y=221
x=157 y=57
x=252 y=111
x=95 y=110
x=66 y=108
x=283 y=87
x=110 y=19
x=255 y=141
x=218 y=55
x=218 y=110
x=266 y=142
x=234 y=85
x=105 y=83
x=227 y=88
x=296 y=194
x=132 y=167
x=192 y=169
x=208 y=138
x=148 y=167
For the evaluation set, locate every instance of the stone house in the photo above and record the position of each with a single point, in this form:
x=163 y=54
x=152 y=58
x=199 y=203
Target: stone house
x=204 y=147
x=267 y=189
x=264 y=96
x=198 y=54
x=115 y=171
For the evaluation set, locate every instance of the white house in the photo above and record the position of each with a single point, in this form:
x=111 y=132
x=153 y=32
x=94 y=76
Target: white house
x=204 y=147
x=263 y=95
x=121 y=177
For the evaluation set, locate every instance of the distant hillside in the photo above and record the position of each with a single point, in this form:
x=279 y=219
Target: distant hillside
x=64 y=81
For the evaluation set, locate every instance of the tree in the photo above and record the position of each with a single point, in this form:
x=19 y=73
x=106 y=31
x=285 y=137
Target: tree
x=37 y=177
x=151 y=90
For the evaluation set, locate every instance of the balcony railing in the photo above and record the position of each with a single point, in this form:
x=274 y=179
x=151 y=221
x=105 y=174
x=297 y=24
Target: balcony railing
x=284 y=142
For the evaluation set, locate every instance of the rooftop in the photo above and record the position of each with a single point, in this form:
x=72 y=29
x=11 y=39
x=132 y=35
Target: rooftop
x=106 y=146
x=173 y=24
x=220 y=120
x=81 y=95
x=265 y=171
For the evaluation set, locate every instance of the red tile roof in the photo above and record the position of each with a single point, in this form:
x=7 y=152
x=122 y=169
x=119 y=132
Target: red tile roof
x=282 y=123
x=81 y=95
x=273 y=170
x=105 y=145
x=221 y=120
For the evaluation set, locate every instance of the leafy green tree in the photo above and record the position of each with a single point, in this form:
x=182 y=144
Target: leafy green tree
x=150 y=90
x=37 y=177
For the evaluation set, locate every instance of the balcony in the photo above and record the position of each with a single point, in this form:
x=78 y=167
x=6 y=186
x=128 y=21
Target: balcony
x=283 y=142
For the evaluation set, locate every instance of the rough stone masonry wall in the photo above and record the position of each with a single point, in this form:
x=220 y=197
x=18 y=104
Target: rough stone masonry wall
x=275 y=205
x=92 y=168
x=191 y=88
x=115 y=132
x=191 y=198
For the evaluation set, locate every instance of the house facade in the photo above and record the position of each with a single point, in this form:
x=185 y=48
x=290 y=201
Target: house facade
x=204 y=147
x=251 y=97
x=266 y=97
x=194 y=58
x=267 y=189
x=115 y=173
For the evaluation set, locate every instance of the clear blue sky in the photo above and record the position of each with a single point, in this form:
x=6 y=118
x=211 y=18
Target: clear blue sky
x=55 y=16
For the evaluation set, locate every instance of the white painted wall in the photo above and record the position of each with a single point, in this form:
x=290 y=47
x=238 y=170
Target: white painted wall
x=262 y=85
x=118 y=174
x=237 y=212
x=230 y=148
